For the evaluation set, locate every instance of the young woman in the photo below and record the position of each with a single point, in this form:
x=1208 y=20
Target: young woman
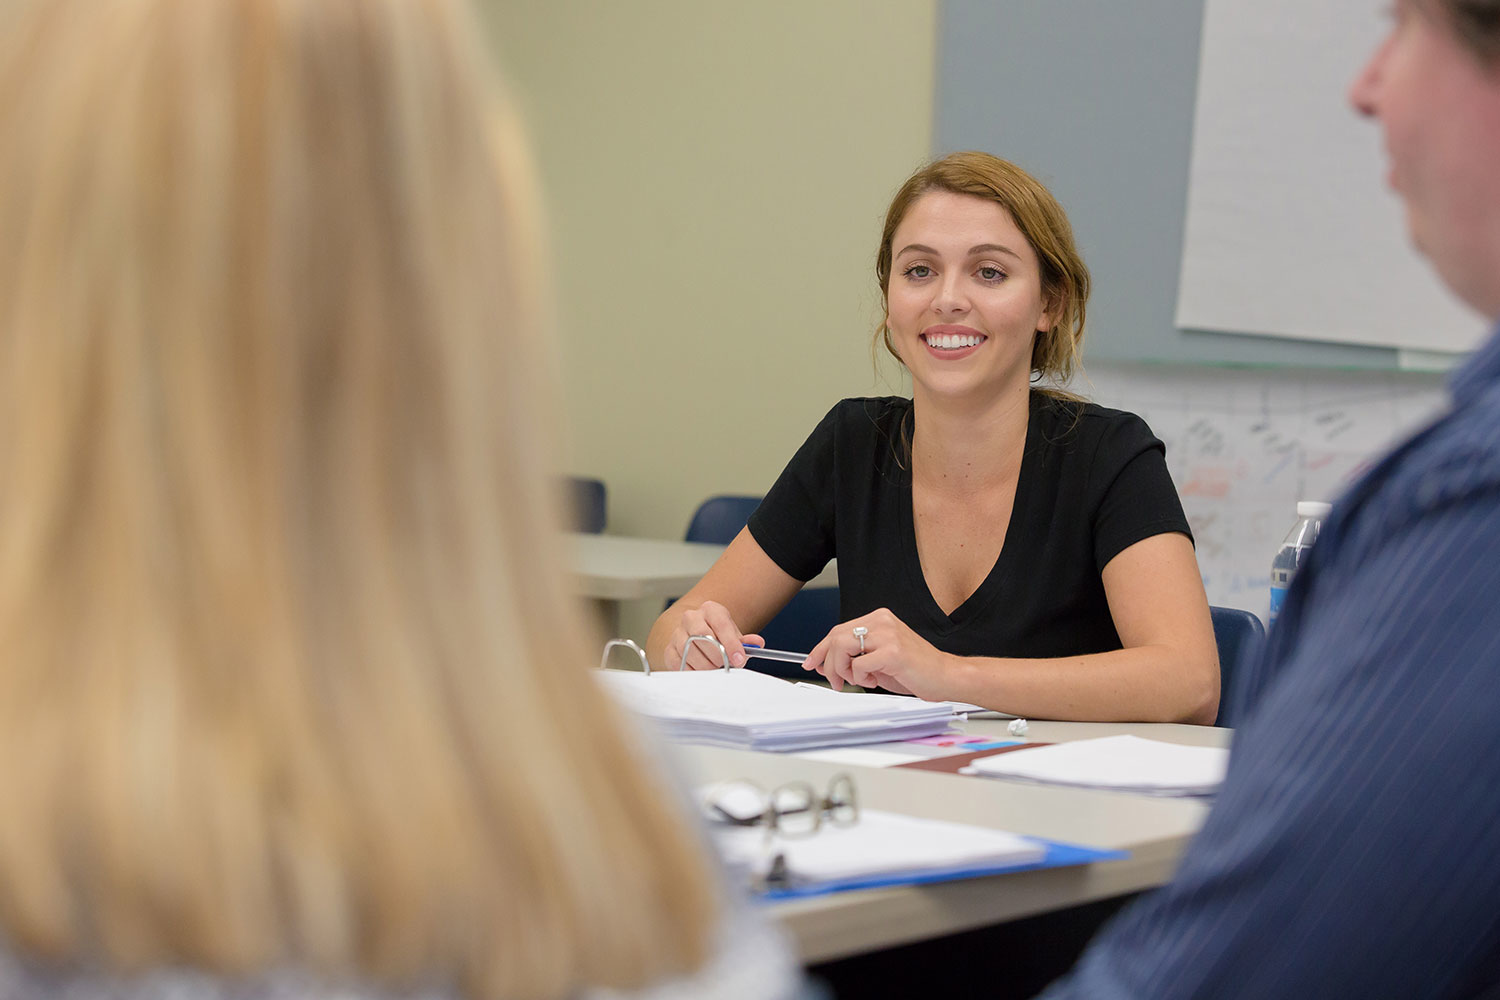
x=999 y=542
x=285 y=646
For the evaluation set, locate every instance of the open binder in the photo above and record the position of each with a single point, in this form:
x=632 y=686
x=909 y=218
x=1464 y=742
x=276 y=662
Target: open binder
x=748 y=710
x=751 y=711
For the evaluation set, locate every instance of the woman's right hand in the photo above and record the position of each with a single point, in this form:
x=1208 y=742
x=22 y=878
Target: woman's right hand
x=709 y=618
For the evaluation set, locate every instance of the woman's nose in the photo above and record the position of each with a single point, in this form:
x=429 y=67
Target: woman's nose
x=951 y=297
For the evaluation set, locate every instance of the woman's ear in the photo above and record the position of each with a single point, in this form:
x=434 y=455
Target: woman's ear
x=1052 y=310
x=890 y=342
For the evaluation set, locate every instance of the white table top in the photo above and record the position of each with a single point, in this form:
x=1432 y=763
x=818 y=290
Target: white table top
x=617 y=568
x=1154 y=830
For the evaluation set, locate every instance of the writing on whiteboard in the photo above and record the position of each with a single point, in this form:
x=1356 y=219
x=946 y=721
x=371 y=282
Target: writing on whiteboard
x=1244 y=445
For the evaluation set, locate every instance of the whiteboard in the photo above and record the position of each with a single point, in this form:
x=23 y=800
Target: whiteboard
x=1291 y=229
x=1244 y=445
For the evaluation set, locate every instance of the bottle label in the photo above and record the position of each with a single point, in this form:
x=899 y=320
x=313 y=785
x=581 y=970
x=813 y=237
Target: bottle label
x=1278 y=595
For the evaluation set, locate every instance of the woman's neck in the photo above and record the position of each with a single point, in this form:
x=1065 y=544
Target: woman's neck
x=959 y=446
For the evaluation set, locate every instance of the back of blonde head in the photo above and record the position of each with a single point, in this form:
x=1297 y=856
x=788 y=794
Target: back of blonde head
x=284 y=644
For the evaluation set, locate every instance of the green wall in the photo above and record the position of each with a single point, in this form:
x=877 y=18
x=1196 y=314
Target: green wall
x=716 y=175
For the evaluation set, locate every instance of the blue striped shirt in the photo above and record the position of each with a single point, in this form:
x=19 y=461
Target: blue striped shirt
x=1354 y=850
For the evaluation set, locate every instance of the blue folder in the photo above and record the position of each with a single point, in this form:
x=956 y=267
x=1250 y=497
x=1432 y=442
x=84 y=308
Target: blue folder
x=1059 y=855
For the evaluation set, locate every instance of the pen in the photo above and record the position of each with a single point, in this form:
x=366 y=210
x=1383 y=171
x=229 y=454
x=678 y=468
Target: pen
x=783 y=655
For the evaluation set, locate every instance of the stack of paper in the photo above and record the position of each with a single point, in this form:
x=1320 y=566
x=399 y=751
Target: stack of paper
x=880 y=848
x=1118 y=763
x=742 y=708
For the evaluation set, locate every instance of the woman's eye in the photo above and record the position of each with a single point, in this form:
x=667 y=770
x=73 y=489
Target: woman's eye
x=918 y=271
x=990 y=274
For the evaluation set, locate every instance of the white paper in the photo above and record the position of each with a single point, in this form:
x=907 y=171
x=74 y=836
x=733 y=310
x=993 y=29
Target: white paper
x=1120 y=763
x=879 y=844
x=742 y=708
x=858 y=757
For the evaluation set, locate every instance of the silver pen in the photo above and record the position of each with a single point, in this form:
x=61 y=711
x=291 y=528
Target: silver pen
x=785 y=656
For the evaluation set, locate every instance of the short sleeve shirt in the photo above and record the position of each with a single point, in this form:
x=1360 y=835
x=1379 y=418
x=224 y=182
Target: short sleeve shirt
x=1093 y=482
x=1351 y=849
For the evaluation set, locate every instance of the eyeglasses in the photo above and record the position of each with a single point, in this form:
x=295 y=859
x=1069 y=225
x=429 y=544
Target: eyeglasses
x=794 y=809
x=788 y=811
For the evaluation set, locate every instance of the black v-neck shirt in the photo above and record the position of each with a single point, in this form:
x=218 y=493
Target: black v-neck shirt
x=1093 y=482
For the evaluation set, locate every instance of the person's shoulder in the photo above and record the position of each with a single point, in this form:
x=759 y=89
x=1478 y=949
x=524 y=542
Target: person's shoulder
x=1065 y=416
x=752 y=960
x=1460 y=458
x=878 y=413
x=1443 y=483
x=1106 y=418
x=872 y=407
x=22 y=978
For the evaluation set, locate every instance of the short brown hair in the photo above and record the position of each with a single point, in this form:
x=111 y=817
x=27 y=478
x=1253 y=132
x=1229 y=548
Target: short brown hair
x=1065 y=278
x=1476 y=23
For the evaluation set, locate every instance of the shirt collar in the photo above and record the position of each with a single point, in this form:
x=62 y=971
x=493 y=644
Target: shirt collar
x=1479 y=373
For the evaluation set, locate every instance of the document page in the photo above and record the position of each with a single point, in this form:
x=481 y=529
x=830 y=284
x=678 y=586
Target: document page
x=879 y=844
x=1121 y=763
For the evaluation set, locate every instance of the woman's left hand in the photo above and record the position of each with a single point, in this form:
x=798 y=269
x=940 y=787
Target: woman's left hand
x=894 y=657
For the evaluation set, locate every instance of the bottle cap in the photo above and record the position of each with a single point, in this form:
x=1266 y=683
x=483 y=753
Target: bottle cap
x=1313 y=508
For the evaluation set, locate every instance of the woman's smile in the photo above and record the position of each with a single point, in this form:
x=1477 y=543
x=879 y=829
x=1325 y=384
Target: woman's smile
x=950 y=342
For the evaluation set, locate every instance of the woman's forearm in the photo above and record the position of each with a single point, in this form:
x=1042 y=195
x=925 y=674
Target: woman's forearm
x=1154 y=683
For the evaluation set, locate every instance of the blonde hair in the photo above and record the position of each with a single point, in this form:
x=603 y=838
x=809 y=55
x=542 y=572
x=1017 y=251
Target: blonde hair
x=289 y=670
x=1056 y=352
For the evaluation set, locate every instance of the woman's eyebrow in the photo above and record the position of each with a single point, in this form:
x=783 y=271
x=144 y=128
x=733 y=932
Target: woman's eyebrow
x=983 y=248
x=974 y=251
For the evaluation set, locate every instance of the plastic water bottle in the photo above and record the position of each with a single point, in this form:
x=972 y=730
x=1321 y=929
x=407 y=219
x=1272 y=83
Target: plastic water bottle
x=1310 y=515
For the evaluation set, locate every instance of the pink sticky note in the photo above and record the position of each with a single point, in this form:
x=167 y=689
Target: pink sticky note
x=947 y=740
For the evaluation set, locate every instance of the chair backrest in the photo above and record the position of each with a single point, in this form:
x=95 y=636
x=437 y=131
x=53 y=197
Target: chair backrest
x=588 y=499
x=807 y=617
x=719 y=519
x=1238 y=635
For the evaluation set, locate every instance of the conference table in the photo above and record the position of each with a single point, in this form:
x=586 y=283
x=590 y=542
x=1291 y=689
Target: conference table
x=612 y=569
x=838 y=925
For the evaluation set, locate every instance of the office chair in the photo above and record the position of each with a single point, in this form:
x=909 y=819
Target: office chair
x=808 y=617
x=587 y=498
x=1238 y=634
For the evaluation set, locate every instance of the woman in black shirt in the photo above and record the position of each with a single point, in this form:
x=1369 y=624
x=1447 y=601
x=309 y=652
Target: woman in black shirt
x=998 y=543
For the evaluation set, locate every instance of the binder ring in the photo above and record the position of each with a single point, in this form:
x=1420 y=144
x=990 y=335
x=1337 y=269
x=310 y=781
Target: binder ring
x=859 y=633
x=628 y=644
x=723 y=656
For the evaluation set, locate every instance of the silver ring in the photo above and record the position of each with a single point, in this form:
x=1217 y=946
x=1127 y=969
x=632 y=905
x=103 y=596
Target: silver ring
x=859 y=633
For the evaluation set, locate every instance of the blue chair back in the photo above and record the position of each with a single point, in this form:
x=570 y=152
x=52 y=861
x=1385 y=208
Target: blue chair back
x=719 y=519
x=1238 y=635
x=808 y=616
x=587 y=498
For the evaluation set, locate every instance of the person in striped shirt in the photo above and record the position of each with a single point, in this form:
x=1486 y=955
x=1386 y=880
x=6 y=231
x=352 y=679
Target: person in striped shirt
x=1351 y=850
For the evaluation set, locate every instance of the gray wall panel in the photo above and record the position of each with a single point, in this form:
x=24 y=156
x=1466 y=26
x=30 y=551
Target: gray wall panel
x=1096 y=98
